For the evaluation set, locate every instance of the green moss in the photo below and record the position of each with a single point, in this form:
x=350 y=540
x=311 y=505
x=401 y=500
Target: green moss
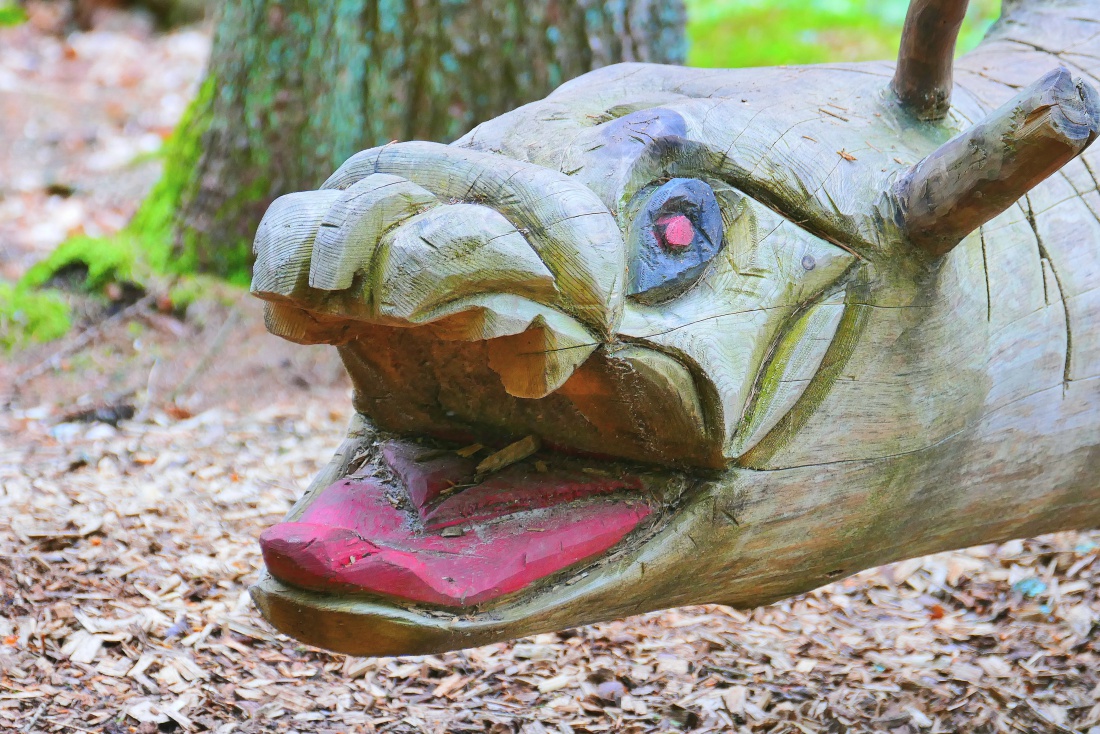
x=145 y=248
x=185 y=292
x=142 y=253
x=734 y=33
x=11 y=14
x=106 y=259
x=29 y=315
x=153 y=224
x=235 y=258
x=777 y=368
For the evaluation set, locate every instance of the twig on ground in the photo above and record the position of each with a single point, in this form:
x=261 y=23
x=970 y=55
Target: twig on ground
x=150 y=383
x=1038 y=713
x=34 y=719
x=67 y=725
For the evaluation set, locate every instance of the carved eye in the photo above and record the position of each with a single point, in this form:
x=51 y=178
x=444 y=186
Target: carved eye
x=675 y=236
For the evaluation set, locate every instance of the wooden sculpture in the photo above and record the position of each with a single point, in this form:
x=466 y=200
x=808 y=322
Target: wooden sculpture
x=674 y=336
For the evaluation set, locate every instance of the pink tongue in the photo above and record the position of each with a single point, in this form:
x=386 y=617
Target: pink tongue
x=352 y=538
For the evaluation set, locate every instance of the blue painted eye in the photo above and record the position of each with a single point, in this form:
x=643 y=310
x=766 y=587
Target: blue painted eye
x=675 y=236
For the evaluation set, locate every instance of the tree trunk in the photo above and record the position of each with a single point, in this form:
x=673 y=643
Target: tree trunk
x=295 y=87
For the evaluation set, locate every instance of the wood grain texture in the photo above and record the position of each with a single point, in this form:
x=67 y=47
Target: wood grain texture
x=568 y=226
x=284 y=243
x=349 y=233
x=826 y=396
x=977 y=175
x=451 y=252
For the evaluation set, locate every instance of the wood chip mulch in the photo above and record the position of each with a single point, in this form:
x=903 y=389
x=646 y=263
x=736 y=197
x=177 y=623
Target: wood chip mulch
x=126 y=553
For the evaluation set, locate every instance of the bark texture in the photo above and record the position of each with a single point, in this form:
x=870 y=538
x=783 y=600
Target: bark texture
x=923 y=78
x=295 y=87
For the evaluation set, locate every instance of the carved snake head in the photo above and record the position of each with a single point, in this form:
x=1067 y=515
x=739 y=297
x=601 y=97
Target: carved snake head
x=657 y=275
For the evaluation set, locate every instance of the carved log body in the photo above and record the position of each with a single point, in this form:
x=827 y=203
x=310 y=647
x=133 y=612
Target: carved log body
x=770 y=326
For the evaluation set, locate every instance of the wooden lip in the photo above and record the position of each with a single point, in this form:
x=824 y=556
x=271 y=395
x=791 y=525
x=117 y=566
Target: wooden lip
x=358 y=626
x=375 y=625
x=352 y=540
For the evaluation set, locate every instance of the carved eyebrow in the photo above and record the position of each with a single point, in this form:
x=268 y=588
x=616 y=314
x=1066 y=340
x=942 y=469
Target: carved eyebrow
x=654 y=166
x=636 y=178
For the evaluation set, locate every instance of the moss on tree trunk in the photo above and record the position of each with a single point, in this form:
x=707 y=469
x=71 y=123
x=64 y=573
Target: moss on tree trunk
x=294 y=87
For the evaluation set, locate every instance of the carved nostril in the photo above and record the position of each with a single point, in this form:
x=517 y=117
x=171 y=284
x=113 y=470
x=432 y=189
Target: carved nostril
x=564 y=221
x=350 y=231
x=453 y=252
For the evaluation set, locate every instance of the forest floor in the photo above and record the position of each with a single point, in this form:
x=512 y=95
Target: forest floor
x=142 y=455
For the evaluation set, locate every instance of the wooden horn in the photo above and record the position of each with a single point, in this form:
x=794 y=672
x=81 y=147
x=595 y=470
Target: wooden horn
x=981 y=172
x=923 y=79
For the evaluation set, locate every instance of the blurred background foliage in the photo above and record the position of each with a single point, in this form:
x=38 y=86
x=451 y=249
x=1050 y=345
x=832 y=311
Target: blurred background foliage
x=729 y=33
x=11 y=13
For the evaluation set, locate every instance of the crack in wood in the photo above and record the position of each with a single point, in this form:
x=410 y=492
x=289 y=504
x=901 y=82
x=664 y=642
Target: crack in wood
x=1092 y=174
x=1057 y=54
x=1045 y=255
x=985 y=273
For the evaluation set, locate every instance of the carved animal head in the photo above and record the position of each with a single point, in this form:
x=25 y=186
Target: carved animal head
x=680 y=335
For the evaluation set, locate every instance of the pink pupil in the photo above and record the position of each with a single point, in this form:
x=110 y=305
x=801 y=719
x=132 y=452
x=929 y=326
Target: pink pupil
x=675 y=231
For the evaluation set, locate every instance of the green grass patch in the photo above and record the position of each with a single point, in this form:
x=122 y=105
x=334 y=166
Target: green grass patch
x=189 y=289
x=733 y=33
x=11 y=14
x=28 y=315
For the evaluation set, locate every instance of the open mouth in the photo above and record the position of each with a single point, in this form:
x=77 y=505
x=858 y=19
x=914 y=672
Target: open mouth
x=460 y=526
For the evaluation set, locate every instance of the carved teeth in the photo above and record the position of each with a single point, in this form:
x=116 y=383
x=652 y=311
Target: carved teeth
x=533 y=348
